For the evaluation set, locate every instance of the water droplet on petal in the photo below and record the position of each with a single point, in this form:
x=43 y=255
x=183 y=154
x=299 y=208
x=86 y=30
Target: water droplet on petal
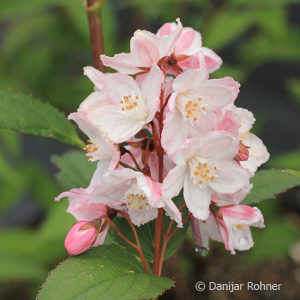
x=201 y=250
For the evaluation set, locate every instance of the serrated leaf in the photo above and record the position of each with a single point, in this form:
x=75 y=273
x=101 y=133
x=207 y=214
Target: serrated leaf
x=76 y=169
x=106 y=273
x=25 y=114
x=268 y=183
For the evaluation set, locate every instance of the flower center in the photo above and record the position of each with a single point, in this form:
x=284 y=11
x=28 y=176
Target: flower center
x=134 y=106
x=94 y=151
x=202 y=171
x=136 y=201
x=191 y=109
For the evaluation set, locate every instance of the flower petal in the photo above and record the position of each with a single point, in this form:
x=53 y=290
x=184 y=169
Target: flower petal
x=197 y=198
x=231 y=177
x=173 y=182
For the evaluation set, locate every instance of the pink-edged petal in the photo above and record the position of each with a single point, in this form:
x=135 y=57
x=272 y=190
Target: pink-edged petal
x=226 y=230
x=139 y=218
x=113 y=186
x=96 y=76
x=245 y=117
x=124 y=63
x=144 y=46
x=120 y=85
x=167 y=43
x=166 y=29
x=195 y=61
x=84 y=124
x=189 y=42
x=117 y=127
x=190 y=79
x=231 y=177
x=217 y=144
x=151 y=189
x=101 y=169
x=229 y=123
x=243 y=214
x=231 y=199
x=79 y=206
x=107 y=149
x=151 y=88
x=216 y=93
x=173 y=182
x=211 y=59
x=197 y=198
x=174 y=132
x=93 y=101
x=173 y=212
x=258 y=153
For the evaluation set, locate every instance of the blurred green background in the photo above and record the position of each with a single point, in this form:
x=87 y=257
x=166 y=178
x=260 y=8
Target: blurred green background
x=44 y=46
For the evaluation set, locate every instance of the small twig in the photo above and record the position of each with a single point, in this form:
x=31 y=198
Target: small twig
x=139 y=247
x=111 y=223
x=177 y=228
x=167 y=237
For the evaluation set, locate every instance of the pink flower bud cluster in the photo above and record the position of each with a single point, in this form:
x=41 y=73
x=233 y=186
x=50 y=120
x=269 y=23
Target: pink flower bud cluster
x=160 y=125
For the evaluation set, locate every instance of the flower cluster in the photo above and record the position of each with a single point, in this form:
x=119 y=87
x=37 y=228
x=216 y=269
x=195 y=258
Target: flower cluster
x=160 y=125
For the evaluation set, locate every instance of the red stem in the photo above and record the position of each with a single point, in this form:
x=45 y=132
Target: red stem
x=96 y=34
x=167 y=238
x=160 y=156
x=139 y=247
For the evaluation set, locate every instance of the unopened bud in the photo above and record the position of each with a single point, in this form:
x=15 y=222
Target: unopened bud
x=80 y=238
x=243 y=152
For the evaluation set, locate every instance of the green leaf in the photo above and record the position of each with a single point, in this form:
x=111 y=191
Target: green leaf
x=294 y=172
x=289 y=159
x=225 y=27
x=76 y=169
x=268 y=183
x=106 y=273
x=146 y=234
x=28 y=115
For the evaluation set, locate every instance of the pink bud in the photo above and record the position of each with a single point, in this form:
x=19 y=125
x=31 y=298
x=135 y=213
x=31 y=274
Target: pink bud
x=80 y=238
x=243 y=153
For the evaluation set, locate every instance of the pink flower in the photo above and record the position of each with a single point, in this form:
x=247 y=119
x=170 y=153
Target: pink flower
x=84 y=211
x=234 y=225
x=119 y=107
x=134 y=193
x=99 y=148
x=80 y=238
x=193 y=108
x=230 y=226
x=146 y=48
x=230 y=199
x=173 y=48
x=188 y=52
x=255 y=152
x=205 y=165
